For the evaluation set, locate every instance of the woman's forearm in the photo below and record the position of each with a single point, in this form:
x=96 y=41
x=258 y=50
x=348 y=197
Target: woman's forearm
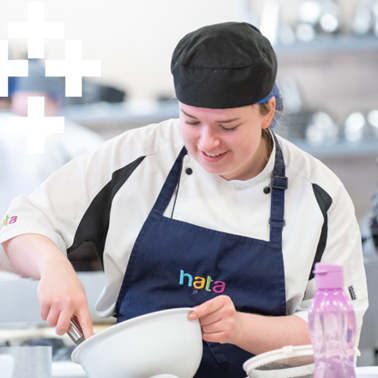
x=32 y=254
x=221 y=323
x=258 y=334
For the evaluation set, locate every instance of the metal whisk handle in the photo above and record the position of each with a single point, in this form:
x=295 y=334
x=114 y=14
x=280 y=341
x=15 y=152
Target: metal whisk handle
x=75 y=332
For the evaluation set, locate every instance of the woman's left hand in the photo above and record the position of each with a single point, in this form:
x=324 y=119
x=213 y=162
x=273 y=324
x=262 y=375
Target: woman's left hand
x=219 y=320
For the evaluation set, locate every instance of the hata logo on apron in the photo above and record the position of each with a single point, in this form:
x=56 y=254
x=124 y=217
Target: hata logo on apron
x=200 y=283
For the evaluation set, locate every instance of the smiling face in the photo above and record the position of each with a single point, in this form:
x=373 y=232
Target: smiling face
x=227 y=142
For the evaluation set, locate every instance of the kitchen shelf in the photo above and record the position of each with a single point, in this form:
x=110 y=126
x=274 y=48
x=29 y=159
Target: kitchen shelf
x=330 y=44
x=117 y=118
x=141 y=112
x=343 y=148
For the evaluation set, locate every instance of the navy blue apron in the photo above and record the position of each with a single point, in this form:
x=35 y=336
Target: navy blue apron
x=177 y=264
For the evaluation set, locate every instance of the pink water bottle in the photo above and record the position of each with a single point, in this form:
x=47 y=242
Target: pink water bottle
x=332 y=325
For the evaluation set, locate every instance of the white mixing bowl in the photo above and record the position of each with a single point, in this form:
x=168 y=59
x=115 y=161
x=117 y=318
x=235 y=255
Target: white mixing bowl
x=162 y=342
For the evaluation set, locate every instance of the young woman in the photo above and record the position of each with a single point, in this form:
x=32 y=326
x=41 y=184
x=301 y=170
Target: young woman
x=211 y=210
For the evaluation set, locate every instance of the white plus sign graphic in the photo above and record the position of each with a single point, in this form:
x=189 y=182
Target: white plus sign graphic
x=73 y=68
x=36 y=30
x=9 y=68
x=36 y=125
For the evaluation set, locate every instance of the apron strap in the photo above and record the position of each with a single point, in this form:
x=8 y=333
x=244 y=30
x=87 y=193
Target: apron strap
x=279 y=185
x=170 y=184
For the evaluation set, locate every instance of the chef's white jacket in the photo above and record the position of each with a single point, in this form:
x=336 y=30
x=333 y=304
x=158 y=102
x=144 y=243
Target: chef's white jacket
x=106 y=195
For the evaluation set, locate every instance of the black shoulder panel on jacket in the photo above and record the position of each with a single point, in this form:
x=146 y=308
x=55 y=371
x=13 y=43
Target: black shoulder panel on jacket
x=324 y=202
x=94 y=225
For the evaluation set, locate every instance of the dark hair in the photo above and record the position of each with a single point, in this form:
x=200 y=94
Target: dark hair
x=265 y=108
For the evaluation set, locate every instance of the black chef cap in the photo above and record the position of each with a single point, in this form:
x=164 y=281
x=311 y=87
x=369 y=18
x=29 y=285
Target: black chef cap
x=221 y=66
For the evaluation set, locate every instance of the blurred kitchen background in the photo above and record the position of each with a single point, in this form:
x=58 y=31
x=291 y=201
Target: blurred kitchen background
x=328 y=72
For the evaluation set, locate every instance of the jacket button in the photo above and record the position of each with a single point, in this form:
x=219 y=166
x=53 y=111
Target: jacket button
x=189 y=171
x=267 y=190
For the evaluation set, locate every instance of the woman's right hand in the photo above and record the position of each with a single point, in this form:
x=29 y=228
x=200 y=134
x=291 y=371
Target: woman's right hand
x=60 y=292
x=61 y=295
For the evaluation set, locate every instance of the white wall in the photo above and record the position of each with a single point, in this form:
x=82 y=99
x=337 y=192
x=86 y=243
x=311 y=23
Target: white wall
x=134 y=39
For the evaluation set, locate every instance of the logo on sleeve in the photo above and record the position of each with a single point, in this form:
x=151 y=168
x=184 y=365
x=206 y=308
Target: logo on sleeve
x=7 y=221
